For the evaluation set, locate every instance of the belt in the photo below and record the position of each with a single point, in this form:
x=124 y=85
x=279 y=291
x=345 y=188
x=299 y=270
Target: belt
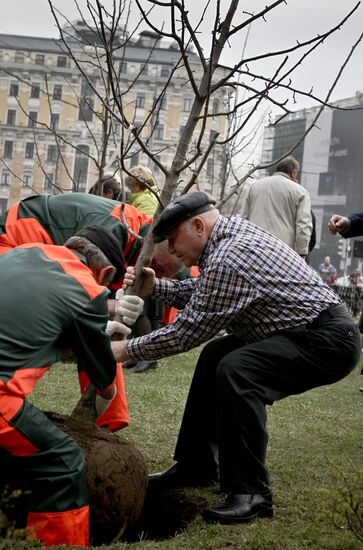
x=336 y=310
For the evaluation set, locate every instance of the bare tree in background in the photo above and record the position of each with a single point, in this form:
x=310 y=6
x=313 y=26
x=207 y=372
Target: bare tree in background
x=227 y=103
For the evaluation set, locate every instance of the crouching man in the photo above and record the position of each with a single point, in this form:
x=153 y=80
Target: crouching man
x=288 y=332
x=62 y=303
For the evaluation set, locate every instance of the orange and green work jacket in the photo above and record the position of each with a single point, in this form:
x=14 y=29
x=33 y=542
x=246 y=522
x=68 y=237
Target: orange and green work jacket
x=59 y=305
x=52 y=219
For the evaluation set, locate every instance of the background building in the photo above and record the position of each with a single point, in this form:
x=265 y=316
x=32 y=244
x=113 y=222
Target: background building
x=51 y=119
x=331 y=168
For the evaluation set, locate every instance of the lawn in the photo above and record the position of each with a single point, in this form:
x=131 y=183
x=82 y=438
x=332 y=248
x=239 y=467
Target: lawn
x=316 y=446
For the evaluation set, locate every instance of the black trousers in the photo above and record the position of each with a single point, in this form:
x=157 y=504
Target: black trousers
x=224 y=422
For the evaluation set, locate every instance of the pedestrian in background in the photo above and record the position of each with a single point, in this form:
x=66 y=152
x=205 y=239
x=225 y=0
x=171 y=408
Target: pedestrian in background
x=138 y=184
x=327 y=271
x=109 y=187
x=281 y=206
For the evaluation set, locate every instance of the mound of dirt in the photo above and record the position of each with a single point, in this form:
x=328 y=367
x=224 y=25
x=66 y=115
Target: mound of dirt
x=116 y=475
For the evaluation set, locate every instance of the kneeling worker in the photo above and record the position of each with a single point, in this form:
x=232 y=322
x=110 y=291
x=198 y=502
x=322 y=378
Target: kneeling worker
x=62 y=304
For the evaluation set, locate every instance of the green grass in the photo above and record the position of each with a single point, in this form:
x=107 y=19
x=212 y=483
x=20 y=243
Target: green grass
x=313 y=437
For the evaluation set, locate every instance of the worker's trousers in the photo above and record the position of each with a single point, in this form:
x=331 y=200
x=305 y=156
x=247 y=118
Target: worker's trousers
x=224 y=423
x=43 y=461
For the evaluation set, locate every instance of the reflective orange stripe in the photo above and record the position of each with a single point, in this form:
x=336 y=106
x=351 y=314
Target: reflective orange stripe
x=22 y=230
x=12 y=440
x=71 y=265
x=134 y=219
x=116 y=416
x=12 y=396
x=13 y=392
x=55 y=528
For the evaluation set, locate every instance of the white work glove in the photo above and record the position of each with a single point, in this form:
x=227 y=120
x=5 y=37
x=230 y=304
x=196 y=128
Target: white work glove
x=129 y=307
x=102 y=403
x=114 y=327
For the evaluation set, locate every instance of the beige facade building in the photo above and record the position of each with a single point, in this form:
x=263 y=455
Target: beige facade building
x=51 y=117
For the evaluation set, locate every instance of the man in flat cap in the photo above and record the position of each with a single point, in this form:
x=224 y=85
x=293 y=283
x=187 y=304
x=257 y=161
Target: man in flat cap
x=288 y=332
x=63 y=303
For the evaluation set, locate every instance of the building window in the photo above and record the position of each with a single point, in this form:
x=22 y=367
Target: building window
x=87 y=101
x=159 y=131
x=32 y=119
x=19 y=57
x=8 y=149
x=5 y=177
x=54 y=120
x=61 y=61
x=134 y=160
x=140 y=101
x=165 y=71
x=39 y=59
x=35 y=91
x=215 y=106
x=14 y=89
x=57 y=91
x=210 y=168
x=187 y=104
x=163 y=103
x=27 y=178
x=80 y=171
x=123 y=67
x=48 y=181
x=52 y=153
x=145 y=70
x=10 y=119
x=29 y=150
x=3 y=205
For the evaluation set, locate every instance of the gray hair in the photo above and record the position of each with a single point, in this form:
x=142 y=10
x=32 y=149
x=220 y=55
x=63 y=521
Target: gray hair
x=96 y=259
x=288 y=165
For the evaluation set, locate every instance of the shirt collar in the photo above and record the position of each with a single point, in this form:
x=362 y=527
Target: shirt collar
x=212 y=241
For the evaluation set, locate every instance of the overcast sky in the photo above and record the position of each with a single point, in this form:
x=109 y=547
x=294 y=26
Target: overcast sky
x=298 y=20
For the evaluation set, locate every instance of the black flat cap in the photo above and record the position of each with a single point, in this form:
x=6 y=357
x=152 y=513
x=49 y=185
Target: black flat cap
x=109 y=244
x=181 y=209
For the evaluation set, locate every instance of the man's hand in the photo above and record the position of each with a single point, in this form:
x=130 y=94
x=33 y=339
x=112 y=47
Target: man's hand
x=147 y=285
x=114 y=327
x=102 y=402
x=119 y=350
x=338 y=224
x=128 y=307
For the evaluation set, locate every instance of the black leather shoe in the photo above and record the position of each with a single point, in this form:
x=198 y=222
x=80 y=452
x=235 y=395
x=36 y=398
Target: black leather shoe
x=240 y=508
x=176 y=476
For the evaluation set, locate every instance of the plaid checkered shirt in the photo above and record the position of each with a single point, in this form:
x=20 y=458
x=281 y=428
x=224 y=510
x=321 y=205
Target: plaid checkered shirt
x=250 y=283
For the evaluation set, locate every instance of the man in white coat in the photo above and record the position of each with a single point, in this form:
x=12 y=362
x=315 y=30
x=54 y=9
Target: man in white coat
x=281 y=206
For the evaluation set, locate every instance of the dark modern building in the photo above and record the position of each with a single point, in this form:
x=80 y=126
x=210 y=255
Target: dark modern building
x=331 y=168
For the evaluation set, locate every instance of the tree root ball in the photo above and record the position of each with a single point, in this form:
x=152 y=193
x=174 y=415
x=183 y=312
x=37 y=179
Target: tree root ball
x=116 y=475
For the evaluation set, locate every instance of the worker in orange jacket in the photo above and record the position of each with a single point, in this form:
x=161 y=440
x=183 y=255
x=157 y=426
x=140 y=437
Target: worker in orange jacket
x=64 y=301
x=52 y=219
